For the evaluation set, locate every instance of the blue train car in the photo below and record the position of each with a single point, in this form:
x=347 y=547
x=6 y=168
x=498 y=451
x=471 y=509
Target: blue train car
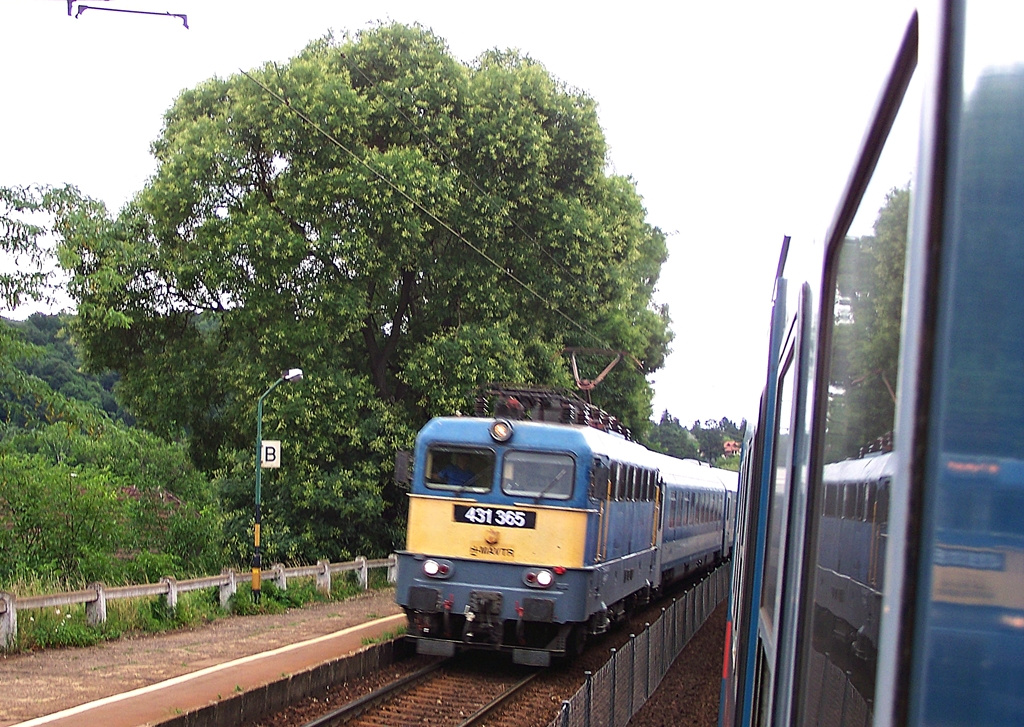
x=878 y=575
x=528 y=535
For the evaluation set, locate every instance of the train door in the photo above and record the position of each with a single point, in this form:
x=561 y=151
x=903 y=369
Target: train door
x=786 y=493
x=737 y=676
x=759 y=596
x=854 y=412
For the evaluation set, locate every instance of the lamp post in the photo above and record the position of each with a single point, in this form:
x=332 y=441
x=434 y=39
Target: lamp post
x=257 y=560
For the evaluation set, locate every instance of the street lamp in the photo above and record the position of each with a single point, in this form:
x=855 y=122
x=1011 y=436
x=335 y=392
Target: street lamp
x=257 y=561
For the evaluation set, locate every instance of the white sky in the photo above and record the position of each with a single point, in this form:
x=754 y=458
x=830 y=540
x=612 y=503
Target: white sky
x=739 y=122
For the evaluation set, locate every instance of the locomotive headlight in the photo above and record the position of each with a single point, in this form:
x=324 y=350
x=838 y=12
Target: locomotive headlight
x=501 y=430
x=436 y=569
x=539 y=578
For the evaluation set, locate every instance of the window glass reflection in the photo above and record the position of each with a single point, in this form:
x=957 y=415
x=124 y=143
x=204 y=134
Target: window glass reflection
x=840 y=653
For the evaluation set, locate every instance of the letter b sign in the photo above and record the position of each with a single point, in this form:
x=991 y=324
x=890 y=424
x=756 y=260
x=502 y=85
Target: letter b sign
x=270 y=454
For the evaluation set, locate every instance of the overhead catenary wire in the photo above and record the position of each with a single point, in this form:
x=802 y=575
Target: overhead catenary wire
x=415 y=203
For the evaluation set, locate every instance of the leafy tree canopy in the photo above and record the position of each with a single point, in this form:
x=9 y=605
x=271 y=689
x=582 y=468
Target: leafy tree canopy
x=866 y=337
x=401 y=226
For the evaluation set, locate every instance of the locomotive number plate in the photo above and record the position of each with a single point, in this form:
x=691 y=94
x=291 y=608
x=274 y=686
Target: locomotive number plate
x=497 y=516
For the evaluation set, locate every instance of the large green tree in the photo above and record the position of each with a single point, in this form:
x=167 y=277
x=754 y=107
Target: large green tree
x=400 y=225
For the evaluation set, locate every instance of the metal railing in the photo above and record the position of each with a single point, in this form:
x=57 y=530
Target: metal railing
x=611 y=696
x=96 y=595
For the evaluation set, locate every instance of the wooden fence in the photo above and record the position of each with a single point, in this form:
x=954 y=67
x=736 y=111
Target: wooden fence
x=96 y=595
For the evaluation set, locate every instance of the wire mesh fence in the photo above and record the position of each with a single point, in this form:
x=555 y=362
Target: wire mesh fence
x=611 y=696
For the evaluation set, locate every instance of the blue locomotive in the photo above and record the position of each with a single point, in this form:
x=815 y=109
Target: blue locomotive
x=528 y=532
x=878 y=575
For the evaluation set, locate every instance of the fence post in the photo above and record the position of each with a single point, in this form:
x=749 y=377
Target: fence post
x=565 y=713
x=675 y=627
x=393 y=569
x=662 y=645
x=172 y=592
x=588 y=698
x=364 y=575
x=8 y=620
x=228 y=587
x=632 y=673
x=280 y=578
x=613 y=660
x=323 y=576
x=96 y=611
x=691 y=628
x=647 y=675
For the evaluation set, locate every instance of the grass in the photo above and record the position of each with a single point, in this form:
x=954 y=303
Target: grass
x=67 y=626
x=386 y=636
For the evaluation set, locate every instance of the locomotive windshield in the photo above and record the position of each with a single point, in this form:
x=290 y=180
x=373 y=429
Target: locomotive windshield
x=538 y=474
x=462 y=469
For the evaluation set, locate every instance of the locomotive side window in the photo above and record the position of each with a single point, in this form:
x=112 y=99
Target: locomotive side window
x=538 y=474
x=462 y=469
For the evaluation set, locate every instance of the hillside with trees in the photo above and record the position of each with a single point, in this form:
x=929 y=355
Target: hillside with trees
x=704 y=442
x=400 y=225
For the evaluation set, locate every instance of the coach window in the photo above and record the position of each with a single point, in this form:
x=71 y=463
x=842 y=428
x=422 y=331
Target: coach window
x=460 y=469
x=861 y=311
x=538 y=474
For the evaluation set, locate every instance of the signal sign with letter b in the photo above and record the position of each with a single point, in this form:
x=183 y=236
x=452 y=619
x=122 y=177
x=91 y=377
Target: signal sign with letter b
x=270 y=454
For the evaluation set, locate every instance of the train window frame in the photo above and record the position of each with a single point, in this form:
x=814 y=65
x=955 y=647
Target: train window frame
x=616 y=476
x=483 y=484
x=807 y=677
x=511 y=455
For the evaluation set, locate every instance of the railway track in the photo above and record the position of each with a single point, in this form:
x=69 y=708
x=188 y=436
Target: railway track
x=458 y=692
x=534 y=705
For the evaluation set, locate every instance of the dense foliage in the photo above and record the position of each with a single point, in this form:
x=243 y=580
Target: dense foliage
x=51 y=357
x=401 y=226
x=102 y=502
x=865 y=340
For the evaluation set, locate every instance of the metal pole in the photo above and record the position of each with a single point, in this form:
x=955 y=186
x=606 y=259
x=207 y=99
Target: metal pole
x=257 y=559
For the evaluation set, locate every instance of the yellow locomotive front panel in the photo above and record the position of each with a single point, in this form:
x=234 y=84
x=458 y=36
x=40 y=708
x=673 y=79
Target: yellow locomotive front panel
x=460 y=528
